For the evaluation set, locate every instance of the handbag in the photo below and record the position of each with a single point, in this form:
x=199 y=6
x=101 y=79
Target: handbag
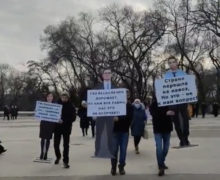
x=145 y=134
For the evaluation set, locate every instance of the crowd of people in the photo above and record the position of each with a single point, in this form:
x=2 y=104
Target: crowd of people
x=112 y=133
x=10 y=112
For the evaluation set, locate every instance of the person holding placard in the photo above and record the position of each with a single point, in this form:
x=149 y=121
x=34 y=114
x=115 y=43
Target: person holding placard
x=64 y=128
x=46 y=132
x=104 y=124
x=181 y=117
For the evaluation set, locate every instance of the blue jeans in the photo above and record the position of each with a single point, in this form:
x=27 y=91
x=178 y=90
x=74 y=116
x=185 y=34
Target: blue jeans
x=120 y=140
x=162 y=146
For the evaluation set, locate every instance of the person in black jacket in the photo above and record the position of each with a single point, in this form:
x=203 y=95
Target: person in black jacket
x=162 y=127
x=46 y=132
x=120 y=140
x=84 y=120
x=64 y=129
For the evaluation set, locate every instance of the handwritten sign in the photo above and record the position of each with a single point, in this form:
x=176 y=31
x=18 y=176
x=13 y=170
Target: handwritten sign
x=106 y=102
x=176 y=90
x=48 y=111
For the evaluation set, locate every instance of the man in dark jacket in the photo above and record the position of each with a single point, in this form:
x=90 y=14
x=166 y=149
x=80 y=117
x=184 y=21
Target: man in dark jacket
x=120 y=140
x=64 y=129
x=162 y=127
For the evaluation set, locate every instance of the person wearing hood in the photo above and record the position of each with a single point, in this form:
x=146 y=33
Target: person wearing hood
x=139 y=120
x=84 y=120
x=64 y=129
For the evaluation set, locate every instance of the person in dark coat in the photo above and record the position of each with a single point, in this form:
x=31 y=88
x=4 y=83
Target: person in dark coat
x=13 y=112
x=203 y=109
x=64 y=130
x=16 y=111
x=215 y=109
x=84 y=120
x=46 y=132
x=139 y=120
x=120 y=140
x=6 y=112
x=162 y=127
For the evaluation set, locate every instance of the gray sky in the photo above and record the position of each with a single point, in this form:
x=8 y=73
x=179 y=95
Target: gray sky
x=23 y=21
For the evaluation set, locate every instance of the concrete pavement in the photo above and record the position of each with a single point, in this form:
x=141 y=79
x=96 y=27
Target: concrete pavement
x=20 y=137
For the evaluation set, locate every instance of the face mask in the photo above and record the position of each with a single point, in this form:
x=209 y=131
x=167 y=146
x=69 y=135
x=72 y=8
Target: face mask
x=137 y=106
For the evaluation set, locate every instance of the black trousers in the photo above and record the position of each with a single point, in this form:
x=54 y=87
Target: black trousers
x=181 y=124
x=137 y=140
x=66 y=140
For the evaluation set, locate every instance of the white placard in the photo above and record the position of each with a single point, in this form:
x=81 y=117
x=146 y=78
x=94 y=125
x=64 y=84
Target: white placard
x=176 y=90
x=48 y=111
x=106 y=102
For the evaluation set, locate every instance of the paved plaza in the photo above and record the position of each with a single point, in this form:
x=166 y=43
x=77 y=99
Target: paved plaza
x=21 y=139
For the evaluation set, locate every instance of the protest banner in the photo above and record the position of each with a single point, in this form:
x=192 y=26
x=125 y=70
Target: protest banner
x=48 y=111
x=176 y=90
x=106 y=102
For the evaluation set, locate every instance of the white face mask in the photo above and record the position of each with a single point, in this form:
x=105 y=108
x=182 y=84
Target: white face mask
x=137 y=105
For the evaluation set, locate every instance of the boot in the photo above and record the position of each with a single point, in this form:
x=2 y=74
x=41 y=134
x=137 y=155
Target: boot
x=45 y=156
x=137 y=150
x=121 y=169
x=114 y=167
x=41 y=156
x=161 y=172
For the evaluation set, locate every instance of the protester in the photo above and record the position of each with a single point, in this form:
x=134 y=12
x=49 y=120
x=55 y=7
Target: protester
x=120 y=140
x=139 y=120
x=162 y=127
x=181 y=118
x=64 y=129
x=46 y=132
x=84 y=120
x=104 y=125
x=6 y=112
x=215 y=109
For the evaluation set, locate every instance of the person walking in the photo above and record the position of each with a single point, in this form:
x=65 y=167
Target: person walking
x=215 y=109
x=64 y=129
x=46 y=132
x=84 y=120
x=162 y=127
x=120 y=140
x=139 y=120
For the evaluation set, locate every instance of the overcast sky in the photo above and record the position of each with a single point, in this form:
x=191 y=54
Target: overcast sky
x=23 y=21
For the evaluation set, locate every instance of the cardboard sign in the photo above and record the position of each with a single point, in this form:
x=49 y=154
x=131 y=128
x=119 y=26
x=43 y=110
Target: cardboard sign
x=176 y=90
x=48 y=111
x=106 y=102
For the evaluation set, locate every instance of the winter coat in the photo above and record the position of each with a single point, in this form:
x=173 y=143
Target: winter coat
x=138 y=121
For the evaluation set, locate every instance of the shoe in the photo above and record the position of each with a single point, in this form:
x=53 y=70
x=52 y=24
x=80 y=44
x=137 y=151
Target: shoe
x=57 y=161
x=121 y=170
x=4 y=150
x=113 y=171
x=164 y=166
x=45 y=156
x=161 y=172
x=137 y=150
x=41 y=156
x=66 y=165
